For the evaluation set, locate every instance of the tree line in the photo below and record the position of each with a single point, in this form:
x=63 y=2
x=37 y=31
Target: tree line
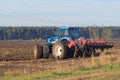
x=44 y=32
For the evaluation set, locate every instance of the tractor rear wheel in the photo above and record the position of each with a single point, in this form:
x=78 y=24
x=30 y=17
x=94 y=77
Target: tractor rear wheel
x=38 y=51
x=60 y=50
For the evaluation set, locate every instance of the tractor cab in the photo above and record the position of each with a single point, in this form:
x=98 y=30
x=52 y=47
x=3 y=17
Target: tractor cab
x=64 y=33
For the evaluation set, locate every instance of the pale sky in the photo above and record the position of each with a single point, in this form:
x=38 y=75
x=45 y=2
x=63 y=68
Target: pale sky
x=59 y=12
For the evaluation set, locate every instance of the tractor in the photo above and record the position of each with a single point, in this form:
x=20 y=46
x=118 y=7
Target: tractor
x=67 y=43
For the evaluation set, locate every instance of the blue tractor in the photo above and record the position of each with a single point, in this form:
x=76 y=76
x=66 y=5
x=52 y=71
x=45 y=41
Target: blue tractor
x=57 y=44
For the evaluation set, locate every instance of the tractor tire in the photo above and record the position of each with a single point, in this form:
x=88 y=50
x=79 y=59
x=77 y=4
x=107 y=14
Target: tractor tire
x=45 y=51
x=46 y=55
x=71 y=52
x=38 y=51
x=59 y=50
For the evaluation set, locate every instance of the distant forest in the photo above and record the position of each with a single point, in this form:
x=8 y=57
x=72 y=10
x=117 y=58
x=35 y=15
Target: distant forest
x=44 y=32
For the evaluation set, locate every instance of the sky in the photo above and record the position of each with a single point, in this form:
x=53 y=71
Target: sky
x=59 y=12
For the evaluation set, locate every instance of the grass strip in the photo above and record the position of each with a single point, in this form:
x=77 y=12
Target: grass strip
x=82 y=73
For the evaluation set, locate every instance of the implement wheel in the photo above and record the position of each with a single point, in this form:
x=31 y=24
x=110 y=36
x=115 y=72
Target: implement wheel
x=59 y=50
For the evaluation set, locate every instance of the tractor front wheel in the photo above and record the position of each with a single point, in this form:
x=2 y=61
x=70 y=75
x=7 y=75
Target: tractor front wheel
x=38 y=51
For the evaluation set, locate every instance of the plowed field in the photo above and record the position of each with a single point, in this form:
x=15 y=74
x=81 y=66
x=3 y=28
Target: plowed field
x=16 y=58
